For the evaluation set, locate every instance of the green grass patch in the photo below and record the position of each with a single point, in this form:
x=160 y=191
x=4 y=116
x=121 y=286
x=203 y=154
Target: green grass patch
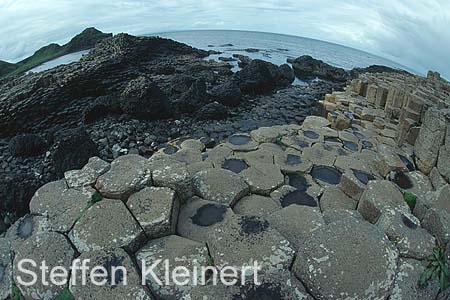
x=65 y=295
x=410 y=199
x=15 y=292
x=436 y=269
x=96 y=197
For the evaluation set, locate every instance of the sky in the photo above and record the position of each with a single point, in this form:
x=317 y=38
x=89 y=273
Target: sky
x=414 y=33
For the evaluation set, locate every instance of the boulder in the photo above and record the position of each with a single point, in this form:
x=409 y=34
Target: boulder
x=349 y=258
x=26 y=228
x=334 y=198
x=263 y=178
x=88 y=175
x=143 y=99
x=306 y=67
x=228 y=94
x=256 y=205
x=27 y=145
x=71 y=150
x=194 y=98
x=174 y=175
x=213 y=111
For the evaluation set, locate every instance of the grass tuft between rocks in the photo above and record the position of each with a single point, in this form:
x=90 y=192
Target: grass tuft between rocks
x=65 y=295
x=15 y=292
x=436 y=269
x=410 y=199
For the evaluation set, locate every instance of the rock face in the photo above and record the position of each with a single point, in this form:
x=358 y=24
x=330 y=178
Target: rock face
x=27 y=145
x=307 y=67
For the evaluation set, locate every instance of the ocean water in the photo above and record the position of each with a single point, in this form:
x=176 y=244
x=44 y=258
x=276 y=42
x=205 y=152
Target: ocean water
x=275 y=48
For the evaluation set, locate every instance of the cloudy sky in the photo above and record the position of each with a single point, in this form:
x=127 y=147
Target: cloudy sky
x=415 y=33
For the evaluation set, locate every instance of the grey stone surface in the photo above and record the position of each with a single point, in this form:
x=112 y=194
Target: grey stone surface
x=156 y=209
x=404 y=230
x=123 y=281
x=421 y=184
x=335 y=215
x=218 y=154
x=334 y=198
x=437 y=222
x=443 y=164
x=315 y=122
x=354 y=182
x=348 y=258
x=6 y=259
x=265 y=135
x=25 y=228
x=387 y=160
x=437 y=181
x=88 y=175
x=292 y=161
x=174 y=176
x=188 y=156
x=46 y=196
x=406 y=283
x=439 y=199
x=106 y=225
x=199 y=166
x=257 y=157
x=177 y=251
x=55 y=250
x=255 y=240
x=241 y=142
x=198 y=218
x=296 y=223
x=380 y=194
x=220 y=185
x=128 y=174
x=256 y=205
x=213 y=292
x=318 y=155
x=263 y=178
x=193 y=145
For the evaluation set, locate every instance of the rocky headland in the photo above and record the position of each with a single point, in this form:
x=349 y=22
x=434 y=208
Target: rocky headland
x=145 y=149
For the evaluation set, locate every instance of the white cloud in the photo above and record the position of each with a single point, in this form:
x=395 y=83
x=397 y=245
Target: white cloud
x=413 y=33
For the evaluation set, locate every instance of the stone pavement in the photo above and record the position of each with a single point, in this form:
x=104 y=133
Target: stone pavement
x=321 y=206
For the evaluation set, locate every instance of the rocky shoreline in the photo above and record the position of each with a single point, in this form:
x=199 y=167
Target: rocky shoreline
x=100 y=99
x=347 y=205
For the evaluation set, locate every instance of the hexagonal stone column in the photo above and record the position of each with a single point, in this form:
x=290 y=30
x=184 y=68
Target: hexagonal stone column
x=61 y=205
x=263 y=178
x=128 y=173
x=106 y=225
x=177 y=251
x=349 y=258
x=55 y=250
x=380 y=194
x=256 y=205
x=198 y=218
x=25 y=228
x=5 y=268
x=119 y=284
x=156 y=209
x=174 y=175
x=88 y=175
x=220 y=185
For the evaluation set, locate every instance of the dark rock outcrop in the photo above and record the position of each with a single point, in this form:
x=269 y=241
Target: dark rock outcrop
x=306 y=67
x=27 y=145
x=228 y=94
x=193 y=99
x=71 y=150
x=260 y=77
x=355 y=72
x=213 y=111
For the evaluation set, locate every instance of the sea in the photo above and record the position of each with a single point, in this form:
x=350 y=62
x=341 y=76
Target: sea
x=276 y=48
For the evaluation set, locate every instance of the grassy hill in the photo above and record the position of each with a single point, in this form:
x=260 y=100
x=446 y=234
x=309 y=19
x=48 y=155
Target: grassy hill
x=83 y=41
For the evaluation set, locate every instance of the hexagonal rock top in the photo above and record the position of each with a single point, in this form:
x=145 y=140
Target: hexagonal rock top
x=156 y=210
x=177 y=251
x=113 y=261
x=128 y=173
x=55 y=250
x=106 y=225
x=220 y=185
x=349 y=259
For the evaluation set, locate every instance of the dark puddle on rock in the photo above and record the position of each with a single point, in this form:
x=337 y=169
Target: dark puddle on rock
x=170 y=150
x=363 y=177
x=351 y=146
x=299 y=198
x=359 y=135
x=293 y=160
x=367 y=145
x=409 y=164
x=239 y=140
x=115 y=272
x=264 y=292
x=326 y=174
x=25 y=228
x=298 y=181
x=332 y=139
x=302 y=144
x=408 y=223
x=209 y=214
x=311 y=134
x=204 y=156
x=252 y=225
x=402 y=180
x=355 y=128
x=234 y=165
